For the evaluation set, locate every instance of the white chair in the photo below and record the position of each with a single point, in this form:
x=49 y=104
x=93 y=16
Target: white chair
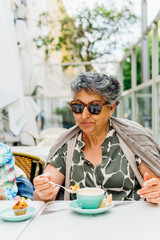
x=48 y=133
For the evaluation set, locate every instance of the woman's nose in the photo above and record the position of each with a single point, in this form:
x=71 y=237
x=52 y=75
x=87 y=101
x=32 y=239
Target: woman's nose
x=85 y=113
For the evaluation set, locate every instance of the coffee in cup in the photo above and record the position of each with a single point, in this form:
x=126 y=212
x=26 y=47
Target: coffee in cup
x=90 y=198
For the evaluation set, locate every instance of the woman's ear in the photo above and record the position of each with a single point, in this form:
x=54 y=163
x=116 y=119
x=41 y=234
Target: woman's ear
x=112 y=107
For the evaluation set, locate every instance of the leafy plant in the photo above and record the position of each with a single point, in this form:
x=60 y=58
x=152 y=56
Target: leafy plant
x=95 y=33
x=47 y=39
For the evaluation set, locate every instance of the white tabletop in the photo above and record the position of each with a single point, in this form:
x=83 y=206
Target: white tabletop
x=39 y=151
x=133 y=220
x=12 y=230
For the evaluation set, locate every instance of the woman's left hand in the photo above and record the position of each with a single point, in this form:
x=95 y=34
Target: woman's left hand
x=151 y=189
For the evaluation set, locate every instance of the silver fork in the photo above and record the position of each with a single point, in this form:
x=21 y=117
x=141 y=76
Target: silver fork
x=58 y=185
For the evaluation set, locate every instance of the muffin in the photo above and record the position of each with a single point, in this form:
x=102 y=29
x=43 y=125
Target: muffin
x=20 y=208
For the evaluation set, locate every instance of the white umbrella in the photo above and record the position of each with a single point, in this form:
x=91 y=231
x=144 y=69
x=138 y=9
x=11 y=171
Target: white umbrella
x=10 y=78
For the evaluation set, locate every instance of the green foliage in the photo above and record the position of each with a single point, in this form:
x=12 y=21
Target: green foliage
x=95 y=33
x=127 y=65
x=127 y=74
x=45 y=41
x=68 y=119
x=127 y=70
x=138 y=56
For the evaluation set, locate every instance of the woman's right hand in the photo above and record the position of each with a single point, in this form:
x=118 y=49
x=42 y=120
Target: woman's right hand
x=45 y=190
x=2 y=197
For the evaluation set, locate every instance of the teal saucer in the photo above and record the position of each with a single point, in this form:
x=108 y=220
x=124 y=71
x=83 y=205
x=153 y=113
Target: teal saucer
x=8 y=215
x=77 y=208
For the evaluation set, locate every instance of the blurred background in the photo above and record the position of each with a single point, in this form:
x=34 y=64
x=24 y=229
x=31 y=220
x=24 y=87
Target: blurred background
x=46 y=43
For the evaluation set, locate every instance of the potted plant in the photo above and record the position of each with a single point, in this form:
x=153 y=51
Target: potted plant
x=67 y=116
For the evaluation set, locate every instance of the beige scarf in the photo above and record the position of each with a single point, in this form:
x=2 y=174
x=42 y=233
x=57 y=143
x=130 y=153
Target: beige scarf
x=133 y=140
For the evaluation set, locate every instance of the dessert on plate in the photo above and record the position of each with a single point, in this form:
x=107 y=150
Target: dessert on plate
x=20 y=208
x=74 y=188
x=106 y=202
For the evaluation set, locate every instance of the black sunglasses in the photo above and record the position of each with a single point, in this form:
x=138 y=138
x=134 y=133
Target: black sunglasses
x=93 y=108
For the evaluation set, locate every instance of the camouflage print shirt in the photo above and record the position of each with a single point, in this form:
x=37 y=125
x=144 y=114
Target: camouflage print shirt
x=114 y=174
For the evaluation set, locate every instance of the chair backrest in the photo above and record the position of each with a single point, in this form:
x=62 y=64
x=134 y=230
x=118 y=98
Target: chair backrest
x=47 y=142
x=51 y=131
x=36 y=137
x=30 y=164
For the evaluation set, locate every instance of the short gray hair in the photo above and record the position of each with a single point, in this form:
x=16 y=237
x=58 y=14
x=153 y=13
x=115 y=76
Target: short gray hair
x=106 y=86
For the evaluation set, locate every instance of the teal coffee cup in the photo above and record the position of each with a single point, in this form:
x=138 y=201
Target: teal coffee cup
x=90 y=198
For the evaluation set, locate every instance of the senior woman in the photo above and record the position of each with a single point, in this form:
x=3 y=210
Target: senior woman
x=98 y=159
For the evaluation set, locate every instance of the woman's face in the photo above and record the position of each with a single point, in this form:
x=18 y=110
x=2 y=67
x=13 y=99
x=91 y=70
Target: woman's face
x=88 y=123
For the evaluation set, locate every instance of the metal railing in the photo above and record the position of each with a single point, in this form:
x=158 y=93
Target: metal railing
x=153 y=83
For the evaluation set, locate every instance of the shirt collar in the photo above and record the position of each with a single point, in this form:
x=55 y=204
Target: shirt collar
x=80 y=142
x=110 y=133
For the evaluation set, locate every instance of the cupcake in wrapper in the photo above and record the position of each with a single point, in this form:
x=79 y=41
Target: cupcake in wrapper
x=20 y=208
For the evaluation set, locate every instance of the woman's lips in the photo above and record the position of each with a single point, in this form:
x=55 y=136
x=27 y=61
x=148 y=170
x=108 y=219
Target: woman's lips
x=86 y=123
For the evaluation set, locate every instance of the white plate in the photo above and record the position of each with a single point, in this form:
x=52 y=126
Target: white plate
x=8 y=215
